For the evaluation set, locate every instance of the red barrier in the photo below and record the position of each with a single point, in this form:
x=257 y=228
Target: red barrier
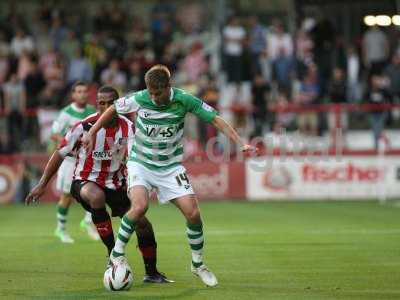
x=218 y=181
x=234 y=180
x=19 y=173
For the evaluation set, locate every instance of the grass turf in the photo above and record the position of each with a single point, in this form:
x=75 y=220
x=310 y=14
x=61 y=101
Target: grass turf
x=323 y=250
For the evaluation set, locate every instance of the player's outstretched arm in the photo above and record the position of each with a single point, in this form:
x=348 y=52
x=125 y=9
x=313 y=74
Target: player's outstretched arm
x=88 y=138
x=51 y=168
x=228 y=130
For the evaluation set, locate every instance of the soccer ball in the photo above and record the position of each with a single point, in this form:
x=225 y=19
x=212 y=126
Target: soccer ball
x=118 y=278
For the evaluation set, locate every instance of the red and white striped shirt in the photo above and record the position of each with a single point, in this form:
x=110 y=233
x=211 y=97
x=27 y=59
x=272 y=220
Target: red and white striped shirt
x=105 y=163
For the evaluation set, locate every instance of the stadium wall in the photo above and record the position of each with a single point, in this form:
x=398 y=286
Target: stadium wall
x=292 y=177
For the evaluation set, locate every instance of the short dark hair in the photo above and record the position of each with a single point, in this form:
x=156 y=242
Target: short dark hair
x=76 y=84
x=109 y=89
x=158 y=76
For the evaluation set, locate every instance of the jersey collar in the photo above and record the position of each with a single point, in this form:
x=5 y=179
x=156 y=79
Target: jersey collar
x=77 y=108
x=171 y=96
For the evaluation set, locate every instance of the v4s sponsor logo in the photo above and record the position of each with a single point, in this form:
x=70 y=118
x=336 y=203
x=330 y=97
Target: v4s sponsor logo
x=164 y=132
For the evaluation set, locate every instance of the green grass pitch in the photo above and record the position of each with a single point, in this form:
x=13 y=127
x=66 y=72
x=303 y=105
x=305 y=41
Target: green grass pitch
x=322 y=250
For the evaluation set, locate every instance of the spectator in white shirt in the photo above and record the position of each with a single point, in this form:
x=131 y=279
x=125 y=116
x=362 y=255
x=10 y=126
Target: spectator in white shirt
x=279 y=39
x=375 y=47
x=353 y=72
x=21 y=42
x=233 y=35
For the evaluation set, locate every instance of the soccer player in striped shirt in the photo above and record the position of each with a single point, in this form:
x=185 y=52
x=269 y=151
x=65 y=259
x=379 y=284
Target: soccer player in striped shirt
x=68 y=117
x=155 y=159
x=99 y=178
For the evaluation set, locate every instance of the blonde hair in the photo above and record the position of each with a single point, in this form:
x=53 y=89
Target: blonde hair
x=158 y=76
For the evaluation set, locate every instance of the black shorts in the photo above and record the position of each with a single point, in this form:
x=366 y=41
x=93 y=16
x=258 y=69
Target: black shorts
x=117 y=200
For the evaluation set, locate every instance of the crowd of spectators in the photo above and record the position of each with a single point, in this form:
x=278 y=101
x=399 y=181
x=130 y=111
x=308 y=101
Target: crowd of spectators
x=310 y=66
x=262 y=66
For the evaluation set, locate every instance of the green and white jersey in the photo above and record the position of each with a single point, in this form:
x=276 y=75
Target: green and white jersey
x=69 y=116
x=159 y=129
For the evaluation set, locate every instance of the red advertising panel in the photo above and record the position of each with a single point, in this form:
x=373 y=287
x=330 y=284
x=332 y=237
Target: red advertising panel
x=211 y=181
x=218 y=181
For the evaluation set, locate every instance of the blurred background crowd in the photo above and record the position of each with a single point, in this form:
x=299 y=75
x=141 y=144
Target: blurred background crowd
x=245 y=64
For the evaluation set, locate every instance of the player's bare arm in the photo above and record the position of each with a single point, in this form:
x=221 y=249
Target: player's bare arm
x=106 y=117
x=51 y=168
x=228 y=130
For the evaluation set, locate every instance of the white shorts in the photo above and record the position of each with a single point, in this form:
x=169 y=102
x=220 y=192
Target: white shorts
x=170 y=184
x=65 y=174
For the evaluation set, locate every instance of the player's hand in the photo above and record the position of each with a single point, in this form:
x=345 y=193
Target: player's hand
x=87 y=142
x=249 y=149
x=35 y=194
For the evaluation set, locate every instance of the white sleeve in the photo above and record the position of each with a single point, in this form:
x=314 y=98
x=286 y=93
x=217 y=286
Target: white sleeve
x=68 y=143
x=131 y=136
x=126 y=105
x=60 y=123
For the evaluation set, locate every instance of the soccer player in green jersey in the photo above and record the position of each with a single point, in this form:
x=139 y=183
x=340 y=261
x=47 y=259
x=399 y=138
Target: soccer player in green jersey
x=155 y=159
x=76 y=111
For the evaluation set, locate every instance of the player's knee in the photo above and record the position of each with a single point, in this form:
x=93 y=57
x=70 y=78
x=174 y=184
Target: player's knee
x=138 y=209
x=193 y=216
x=94 y=197
x=141 y=208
